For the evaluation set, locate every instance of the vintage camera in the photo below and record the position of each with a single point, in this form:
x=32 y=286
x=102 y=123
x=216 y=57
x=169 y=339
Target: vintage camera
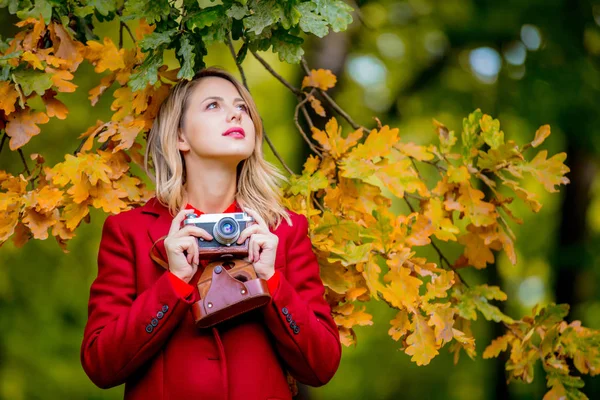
x=225 y=229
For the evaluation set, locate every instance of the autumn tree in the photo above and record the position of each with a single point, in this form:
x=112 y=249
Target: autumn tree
x=346 y=188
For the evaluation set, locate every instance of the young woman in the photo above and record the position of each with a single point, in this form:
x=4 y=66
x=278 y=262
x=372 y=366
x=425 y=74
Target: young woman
x=205 y=147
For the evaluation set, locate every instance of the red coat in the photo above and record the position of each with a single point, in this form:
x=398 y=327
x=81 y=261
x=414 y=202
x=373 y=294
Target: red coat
x=141 y=332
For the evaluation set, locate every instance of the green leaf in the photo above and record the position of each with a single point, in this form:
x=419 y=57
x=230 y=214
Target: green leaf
x=153 y=10
x=104 y=7
x=237 y=11
x=288 y=47
x=508 y=151
x=33 y=81
x=306 y=184
x=156 y=39
x=551 y=314
x=310 y=21
x=13 y=5
x=336 y=13
x=471 y=139
x=42 y=7
x=147 y=73
x=266 y=13
x=241 y=55
x=491 y=132
x=186 y=59
x=204 y=18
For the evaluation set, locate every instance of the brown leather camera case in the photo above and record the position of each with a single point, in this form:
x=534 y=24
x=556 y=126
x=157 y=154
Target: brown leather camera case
x=228 y=288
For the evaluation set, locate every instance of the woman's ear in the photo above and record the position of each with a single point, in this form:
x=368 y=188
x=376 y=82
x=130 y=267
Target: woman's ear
x=182 y=143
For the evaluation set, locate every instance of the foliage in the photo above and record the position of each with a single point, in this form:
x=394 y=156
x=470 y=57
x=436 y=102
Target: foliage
x=346 y=188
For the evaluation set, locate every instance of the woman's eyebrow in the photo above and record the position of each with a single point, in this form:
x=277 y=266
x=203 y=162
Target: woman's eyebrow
x=221 y=99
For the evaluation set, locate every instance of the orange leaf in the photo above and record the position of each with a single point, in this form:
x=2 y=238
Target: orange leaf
x=61 y=78
x=8 y=97
x=129 y=129
x=66 y=48
x=322 y=78
x=477 y=253
x=54 y=107
x=73 y=213
x=316 y=105
x=39 y=223
x=22 y=126
x=421 y=342
x=400 y=325
x=32 y=38
x=540 y=135
x=105 y=83
x=105 y=56
x=332 y=141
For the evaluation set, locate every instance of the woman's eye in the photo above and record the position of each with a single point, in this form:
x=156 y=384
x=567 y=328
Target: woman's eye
x=243 y=107
x=213 y=103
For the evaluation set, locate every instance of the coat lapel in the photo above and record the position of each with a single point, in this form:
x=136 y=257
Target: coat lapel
x=160 y=227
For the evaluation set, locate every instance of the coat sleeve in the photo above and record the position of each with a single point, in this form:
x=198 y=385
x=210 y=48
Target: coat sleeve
x=123 y=330
x=306 y=336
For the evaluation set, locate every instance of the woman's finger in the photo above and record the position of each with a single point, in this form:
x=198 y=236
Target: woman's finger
x=176 y=223
x=249 y=231
x=261 y=222
x=193 y=230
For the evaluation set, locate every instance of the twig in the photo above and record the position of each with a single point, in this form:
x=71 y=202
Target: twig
x=332 y=103
x=121 y=25
x=294 y=90
x=234 y=55
x=306 y=139
x=307 y=116
x=129 y=31
x=3 y=140
x=24 y=162
x=268 y=140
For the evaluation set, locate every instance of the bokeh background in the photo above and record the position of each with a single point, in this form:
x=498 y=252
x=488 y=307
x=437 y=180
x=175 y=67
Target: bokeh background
x=527 y=63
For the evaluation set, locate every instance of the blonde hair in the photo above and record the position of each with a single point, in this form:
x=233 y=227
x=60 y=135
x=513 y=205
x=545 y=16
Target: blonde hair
x=258 y=181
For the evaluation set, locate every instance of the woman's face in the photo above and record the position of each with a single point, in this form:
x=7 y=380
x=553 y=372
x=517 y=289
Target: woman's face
x=217 y=123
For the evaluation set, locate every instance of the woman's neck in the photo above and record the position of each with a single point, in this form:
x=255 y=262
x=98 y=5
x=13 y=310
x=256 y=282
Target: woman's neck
x=210 y=187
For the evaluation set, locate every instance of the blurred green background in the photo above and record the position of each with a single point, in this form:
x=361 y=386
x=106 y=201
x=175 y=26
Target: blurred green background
x=527 y=63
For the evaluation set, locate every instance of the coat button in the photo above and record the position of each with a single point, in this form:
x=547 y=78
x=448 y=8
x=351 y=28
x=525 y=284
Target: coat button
x=154 y=322
x=285 y=311
x=149 y=328
x=289 y=317
x=296 y=329
x=160 y=314
x=165 y=308
x=293 y=325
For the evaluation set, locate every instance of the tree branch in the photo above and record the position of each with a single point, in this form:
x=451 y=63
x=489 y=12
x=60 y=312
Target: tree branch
x=234 y=55
x=306 y=138
x=268 y=140
x=24 y=162
x=294 y=90
x=333 y=104
x=3 y=140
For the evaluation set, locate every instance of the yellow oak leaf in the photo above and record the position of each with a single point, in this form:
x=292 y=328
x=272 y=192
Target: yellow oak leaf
x=108 y=198
x=403 y=289
x=80 y=191
x=311 y=164
x=122 y=104
x=128 y=131
x=105 y=56
x=415 y=151
x=476 y=252
x=73 y=213
x=331 y=139
x=400 y=325
x=550 y=172
x=8 y=222
x=357 y=293
x=421 y=342
x=129 y=184
x=348 y=317
x=421 y=229
x=379 y=143
x=347 y=336
x=322 y=78
x=21 y=126
x=540 y=135
x=439 y=285
x=316 y=105
x=465 y=340
x=32 y=59
x=44 y=199
x=8 y=97
x=21 y=235
x=117 y=163
x=398 y=177
x=458 y=175
x=480 y=212
x=531 y=199
x=498 y=345
x=62 y=234
x=447 y=137
x=39 y=223
x=441 y=318
x=444 y=229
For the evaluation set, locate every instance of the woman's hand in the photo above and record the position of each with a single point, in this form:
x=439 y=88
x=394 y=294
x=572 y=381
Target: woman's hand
x=180 y=240
x=262 y=246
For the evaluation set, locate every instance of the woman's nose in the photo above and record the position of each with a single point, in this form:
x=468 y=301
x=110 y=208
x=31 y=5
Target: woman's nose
x=235 y=114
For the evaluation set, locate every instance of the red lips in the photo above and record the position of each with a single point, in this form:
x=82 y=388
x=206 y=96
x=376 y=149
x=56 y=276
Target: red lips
x=235 y=131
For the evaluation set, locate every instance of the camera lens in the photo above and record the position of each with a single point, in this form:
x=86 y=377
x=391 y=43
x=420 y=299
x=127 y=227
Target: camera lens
x=226 y=231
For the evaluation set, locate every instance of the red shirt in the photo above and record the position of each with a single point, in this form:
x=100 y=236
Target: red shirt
x=185 y=289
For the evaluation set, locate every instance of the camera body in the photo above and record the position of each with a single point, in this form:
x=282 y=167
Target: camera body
x=225 y=229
